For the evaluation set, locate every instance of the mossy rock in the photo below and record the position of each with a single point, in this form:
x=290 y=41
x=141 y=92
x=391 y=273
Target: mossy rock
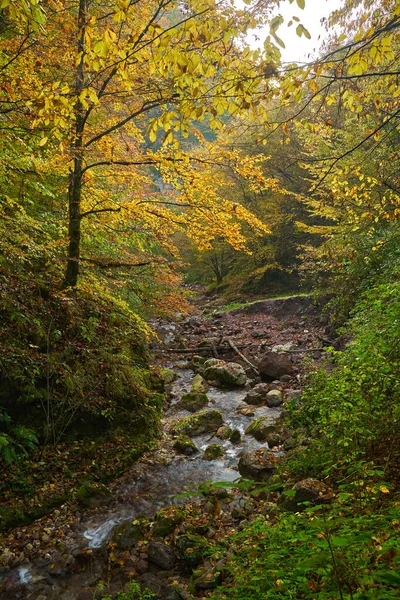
x=261 y=428
x=235 y=437
x=167 y=520
x=224 y=432
x=184 y=445
x=193 y=401
x=212 y=452
x=127 y=535
x=228 y=374
x=206 y=579
x=167 y=375
x=206 y=421
x=90 y=493
x=199 y=385
x=191 y=549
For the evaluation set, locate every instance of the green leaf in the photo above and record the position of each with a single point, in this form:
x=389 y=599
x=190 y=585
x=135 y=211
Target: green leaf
x=301 y=4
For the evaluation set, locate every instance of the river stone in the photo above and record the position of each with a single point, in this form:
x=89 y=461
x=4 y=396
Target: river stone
x=226 y=373
x=199 y=385
x=235 y=437
x=127 y=534
x=193 y=401
x=161 y=555
x=260 y=428
x=257 y=395
x=224 y=432
x=167 y=375
x=212 y=452
x=257 y=464
x=246 y=411
x=191 y=548
x=274 y=398
x=184 y=445
x=273 y=365
x=206 y=421
x=307 y=490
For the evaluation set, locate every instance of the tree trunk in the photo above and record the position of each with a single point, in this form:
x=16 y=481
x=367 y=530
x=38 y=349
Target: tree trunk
x=75 y=180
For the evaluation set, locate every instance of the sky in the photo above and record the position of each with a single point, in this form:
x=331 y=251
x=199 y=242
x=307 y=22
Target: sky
x=301 y=49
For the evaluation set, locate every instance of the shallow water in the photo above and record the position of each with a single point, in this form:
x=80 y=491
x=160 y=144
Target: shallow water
x=156 y=485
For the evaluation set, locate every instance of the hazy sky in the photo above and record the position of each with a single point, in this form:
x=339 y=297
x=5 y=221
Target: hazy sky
x=298 y=49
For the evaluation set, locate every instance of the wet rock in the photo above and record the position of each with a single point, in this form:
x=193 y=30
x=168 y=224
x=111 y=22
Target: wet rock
x=308 y=490
x=206 y=421
x=273 y=365
x=161 y=555
x=191 y=549
x=260 y=428
x=167 y=375
x=212 y=452
x=235 y=437
x=274 y=398
x=193 y=401
x=184 y=445
x=245 y=411
x=273 y=439
x=225 y=373
x=224 y=432
x=257 y=464
x=199 y=385
x=257 y=395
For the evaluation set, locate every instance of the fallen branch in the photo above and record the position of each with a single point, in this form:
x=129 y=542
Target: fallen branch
x=242 y=356
x=302 y=350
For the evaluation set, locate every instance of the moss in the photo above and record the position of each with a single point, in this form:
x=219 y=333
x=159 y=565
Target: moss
x=205 y=421
x=184 y=445
x=212 y=452
x=193 y=401
x=89 y=493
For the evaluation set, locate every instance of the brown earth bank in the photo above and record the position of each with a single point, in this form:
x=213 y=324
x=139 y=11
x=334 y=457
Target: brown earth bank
x=228 y=376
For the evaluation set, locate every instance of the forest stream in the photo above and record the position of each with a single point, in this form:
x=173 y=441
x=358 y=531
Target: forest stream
x=76 y=553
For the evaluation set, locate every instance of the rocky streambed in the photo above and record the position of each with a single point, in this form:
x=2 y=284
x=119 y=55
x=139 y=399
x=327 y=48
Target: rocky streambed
x=222 y=421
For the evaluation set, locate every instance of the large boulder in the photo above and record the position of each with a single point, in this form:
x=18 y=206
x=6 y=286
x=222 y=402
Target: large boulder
x=273 y=366
x=310 y=491
x=193 y=401
x=206 y=421
x=225 y=373
x=261 y=428
x=258 y=465
x=257 y=395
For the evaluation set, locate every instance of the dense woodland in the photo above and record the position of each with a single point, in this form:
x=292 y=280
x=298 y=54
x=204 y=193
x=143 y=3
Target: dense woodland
x=146 y=153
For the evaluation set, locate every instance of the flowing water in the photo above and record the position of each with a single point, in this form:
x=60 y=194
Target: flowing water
x=154 y=487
